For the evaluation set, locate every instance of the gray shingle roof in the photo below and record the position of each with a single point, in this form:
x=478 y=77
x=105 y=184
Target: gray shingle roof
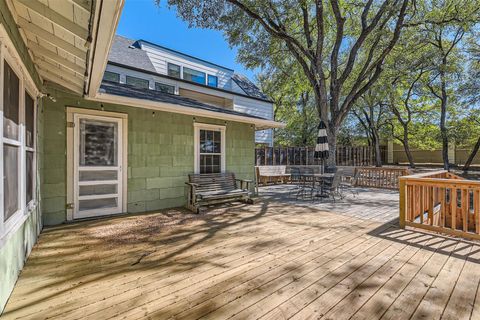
x=126 y=51
x=248 y=86
x=129 y=91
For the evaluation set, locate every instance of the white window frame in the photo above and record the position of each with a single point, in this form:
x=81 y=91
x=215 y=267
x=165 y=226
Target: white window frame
x=211 y=127
x=9 y=54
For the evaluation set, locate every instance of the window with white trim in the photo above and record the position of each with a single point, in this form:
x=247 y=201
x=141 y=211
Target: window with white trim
x=18 y=135
x=209 y=148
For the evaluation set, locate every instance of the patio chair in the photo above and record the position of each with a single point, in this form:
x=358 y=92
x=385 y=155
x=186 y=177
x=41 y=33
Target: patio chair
x=331 y=187
x=348 y=184
x=295 y=179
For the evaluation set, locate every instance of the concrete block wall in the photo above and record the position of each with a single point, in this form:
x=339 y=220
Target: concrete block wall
x=160 y=155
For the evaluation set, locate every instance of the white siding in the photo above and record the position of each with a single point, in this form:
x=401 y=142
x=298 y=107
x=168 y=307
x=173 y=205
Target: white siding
x=160 y=57
x=256 y=108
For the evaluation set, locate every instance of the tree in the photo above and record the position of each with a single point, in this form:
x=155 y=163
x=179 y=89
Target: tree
x=371 y=113
x=445 y=38
x=340 y=46
x=293 y=105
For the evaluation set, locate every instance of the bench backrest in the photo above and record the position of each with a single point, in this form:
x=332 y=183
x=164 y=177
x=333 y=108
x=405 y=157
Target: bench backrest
x=213 y=181
x=271 y=170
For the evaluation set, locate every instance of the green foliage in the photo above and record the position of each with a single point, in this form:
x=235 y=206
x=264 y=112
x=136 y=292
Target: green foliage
x=419 y=62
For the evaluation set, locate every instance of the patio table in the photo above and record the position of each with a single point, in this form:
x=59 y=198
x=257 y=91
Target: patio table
x=315 y=178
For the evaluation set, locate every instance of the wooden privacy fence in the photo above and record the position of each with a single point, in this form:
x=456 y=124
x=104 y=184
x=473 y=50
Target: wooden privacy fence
x=285 y=156
x=441 y=201
x=384 y=177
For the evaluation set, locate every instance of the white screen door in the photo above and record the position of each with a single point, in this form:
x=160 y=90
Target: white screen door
x=98 y=185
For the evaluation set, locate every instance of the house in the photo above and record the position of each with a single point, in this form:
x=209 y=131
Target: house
x=147 y=65
x=74 y=147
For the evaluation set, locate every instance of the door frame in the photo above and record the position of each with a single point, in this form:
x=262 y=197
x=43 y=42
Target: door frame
x=71 y=112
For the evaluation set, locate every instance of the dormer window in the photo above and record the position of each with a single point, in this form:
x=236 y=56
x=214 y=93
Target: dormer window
x=111 y=76
x=212 y=81
x=173 y=70
x=137 y=82
x=194 y=75
x=165 y=88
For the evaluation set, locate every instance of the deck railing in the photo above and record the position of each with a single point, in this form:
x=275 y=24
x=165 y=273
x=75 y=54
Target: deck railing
x=442 y=202
x=383 y=177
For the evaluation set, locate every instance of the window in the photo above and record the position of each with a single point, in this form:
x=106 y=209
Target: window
x=193 y=75
x=29 y=147
x=17 y=139
x=173 y=70
x=137 y=82
x=111 y=76
x=210 y=148
x=166 y=88
x=212 y=81
x=11 y=142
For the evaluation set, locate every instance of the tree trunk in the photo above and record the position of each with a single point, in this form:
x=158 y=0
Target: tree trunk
x=406 y=146
x=443 y=117
x=472 y=155
x=376 y=145
x=332 y=147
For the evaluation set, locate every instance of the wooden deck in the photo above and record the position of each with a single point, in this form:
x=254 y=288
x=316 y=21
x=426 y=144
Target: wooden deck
x=271 y=260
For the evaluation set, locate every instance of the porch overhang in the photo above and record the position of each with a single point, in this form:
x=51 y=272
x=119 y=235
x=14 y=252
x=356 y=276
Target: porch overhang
x=259 y=123
x=68 y=40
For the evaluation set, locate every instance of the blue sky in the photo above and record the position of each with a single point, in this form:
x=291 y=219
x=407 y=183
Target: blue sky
x=142 y=19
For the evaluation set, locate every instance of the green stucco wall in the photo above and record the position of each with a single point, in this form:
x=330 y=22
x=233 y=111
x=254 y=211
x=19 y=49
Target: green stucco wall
x=160 y=155
x=17 y=244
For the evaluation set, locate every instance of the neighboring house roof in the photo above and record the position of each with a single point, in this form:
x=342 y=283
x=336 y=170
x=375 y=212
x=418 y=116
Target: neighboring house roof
x=127 y=52
x=248 y=86
x=129 y=91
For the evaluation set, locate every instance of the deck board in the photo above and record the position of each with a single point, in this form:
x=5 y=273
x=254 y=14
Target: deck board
x=277 y=259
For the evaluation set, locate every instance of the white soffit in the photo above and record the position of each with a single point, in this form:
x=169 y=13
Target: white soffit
x=68 y=40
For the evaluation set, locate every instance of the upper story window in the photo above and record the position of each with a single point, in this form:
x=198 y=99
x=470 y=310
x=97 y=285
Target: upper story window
x=166 y=88
x=194 y=75
x=212 y=81
x=173 y=70
x=111 y=76
x=137 y=82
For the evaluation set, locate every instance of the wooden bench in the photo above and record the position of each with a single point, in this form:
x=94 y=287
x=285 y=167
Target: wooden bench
x=275 y=174
x=211 y=188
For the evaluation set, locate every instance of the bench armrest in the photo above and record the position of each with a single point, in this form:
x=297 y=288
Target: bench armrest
x=191 y=184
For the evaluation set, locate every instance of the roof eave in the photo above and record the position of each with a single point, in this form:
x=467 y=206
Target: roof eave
x=105 y=24
x=260 y=124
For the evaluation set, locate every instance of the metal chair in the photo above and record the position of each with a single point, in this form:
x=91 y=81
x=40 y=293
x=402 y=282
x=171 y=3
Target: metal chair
x=331 y=187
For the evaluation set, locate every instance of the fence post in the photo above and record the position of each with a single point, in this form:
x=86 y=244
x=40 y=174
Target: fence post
x=402 y=199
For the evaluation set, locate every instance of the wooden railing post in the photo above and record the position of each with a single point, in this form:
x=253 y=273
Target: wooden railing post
x=403 y=207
